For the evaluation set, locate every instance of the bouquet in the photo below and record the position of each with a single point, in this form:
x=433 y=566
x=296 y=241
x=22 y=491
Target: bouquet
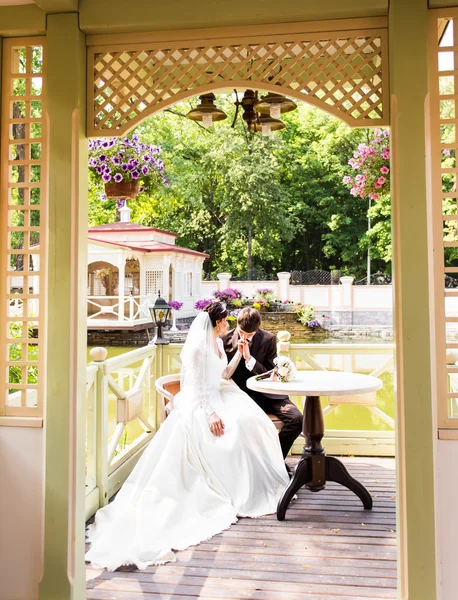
x=284 y=370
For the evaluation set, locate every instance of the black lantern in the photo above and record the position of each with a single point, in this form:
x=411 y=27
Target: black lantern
x=160 y=313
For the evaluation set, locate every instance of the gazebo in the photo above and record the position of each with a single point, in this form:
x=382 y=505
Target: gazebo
x=77 y=69
x=129 y=265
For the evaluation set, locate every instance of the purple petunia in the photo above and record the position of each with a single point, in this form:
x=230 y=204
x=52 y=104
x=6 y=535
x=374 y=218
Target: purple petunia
x=125 y=159
x=175 y=305
x=142 y=189
x=201 y=304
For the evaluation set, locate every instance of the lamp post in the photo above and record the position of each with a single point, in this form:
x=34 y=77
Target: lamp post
x=159 y=312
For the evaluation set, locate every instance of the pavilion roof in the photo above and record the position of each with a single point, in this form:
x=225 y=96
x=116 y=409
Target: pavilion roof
x=150 y=246
x=127 y=226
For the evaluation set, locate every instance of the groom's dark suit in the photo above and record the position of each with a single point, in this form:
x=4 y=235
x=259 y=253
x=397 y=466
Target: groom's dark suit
x=263 y=348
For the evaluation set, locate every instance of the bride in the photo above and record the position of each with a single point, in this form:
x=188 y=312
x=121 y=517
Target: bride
x=215 y=458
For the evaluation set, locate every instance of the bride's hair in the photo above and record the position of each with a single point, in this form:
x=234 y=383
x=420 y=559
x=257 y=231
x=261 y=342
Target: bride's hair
x=216 y=311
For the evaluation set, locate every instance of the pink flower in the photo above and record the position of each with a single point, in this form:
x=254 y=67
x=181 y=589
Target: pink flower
x=347 y=179
x=377 y=185
x=375 y=197
x=386 y=153
x=446 y=152
x=381 y=180
x=354 y=191
x=384 y=170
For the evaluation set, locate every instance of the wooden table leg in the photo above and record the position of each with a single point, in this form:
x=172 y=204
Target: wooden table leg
x=314 y=467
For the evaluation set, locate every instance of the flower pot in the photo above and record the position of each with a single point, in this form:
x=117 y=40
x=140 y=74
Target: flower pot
x=124 y=189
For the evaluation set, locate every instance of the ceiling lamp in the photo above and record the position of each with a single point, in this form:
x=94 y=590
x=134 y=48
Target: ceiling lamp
x=260 y=115
x=206 y=112
x=274 y=105
x=250 y=116
x=266 y=125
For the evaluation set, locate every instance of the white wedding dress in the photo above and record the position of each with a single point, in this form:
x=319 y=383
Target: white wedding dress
x=189 y=484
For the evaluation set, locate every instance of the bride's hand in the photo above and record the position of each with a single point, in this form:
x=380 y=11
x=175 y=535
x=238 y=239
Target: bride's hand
x=216 y=425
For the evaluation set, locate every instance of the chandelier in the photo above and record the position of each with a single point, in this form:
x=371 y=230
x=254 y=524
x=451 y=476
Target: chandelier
x=260 y=114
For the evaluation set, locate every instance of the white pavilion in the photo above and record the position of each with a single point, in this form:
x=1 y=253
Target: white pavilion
x=129 y=264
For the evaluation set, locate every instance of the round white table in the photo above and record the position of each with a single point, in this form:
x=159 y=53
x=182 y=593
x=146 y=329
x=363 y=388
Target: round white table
x=314 y=467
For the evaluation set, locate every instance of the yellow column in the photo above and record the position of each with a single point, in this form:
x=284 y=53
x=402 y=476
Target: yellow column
x=415 y=435
x=63 y=577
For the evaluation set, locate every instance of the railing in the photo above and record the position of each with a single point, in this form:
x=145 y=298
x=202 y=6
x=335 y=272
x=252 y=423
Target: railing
x=123 y=412
x=130 y=308
x=359 y=424
x=122 y=416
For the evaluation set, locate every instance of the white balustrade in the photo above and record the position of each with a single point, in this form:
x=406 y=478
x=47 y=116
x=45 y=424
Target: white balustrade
x=131 y=309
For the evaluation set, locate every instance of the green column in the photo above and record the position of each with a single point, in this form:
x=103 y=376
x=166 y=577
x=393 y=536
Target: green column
x=63 y=577
x=415 y=425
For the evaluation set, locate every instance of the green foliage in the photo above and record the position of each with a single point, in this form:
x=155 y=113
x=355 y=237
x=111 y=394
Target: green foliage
x=274 y=203
x=15 y=353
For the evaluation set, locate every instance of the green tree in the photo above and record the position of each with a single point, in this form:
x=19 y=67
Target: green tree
x=254 y=202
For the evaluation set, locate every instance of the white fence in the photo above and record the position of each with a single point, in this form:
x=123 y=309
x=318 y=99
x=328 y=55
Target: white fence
x=128 y=310
x=342 y=297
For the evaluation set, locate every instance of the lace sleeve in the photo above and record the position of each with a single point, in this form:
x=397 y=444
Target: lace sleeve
x=199 y=381
x=229 y=370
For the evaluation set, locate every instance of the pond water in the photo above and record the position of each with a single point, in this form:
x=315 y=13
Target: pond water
x=345 y=417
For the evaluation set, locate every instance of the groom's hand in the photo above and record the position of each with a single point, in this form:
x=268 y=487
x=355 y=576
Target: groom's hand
x=246 y=352
x=216 y=425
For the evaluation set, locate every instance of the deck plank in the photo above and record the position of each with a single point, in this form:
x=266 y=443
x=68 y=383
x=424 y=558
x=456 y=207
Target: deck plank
x=328 y=547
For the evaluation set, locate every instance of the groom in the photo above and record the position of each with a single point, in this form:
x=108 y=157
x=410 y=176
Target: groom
x=259 y=350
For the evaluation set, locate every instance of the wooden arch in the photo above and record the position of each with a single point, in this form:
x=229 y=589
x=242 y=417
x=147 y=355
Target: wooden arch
x=342 y=71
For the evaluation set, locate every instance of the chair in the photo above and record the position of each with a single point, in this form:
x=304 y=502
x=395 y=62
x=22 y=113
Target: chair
x=169 y=385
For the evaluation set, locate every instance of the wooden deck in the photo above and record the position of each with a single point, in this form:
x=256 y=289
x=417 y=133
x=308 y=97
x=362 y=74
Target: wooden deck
x=328 y=547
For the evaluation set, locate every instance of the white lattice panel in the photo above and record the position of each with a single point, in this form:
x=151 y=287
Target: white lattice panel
x=444 y=149
x=23 y=227
x=343 y=72
x=154 y=282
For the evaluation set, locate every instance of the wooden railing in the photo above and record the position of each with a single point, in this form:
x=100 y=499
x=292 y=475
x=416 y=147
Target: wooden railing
x=122 y=416
x=127 y=309
x=123 y=412
x=370 y=359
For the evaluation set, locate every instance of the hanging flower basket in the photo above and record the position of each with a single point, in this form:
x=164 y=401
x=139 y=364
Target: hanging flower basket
x=123 y=189
x=125 y=167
